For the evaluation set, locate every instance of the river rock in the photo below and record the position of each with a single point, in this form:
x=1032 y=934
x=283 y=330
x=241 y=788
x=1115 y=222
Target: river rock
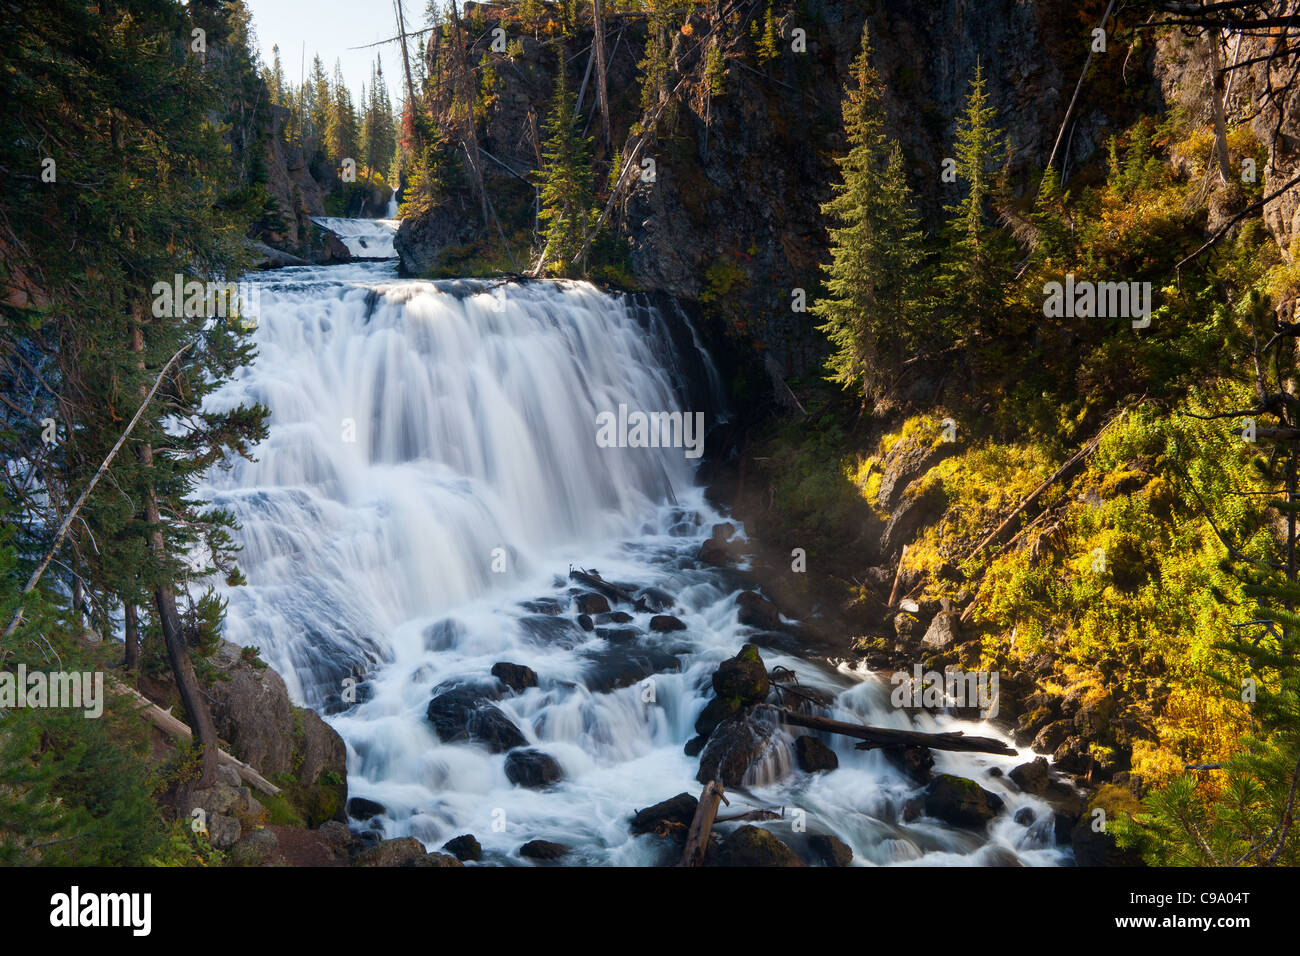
x=714 y=552
x=585 y=622
x=622 y=665
x=437 y=860
x=517 y=677
x=916 y=762
x=830 y=849
x=743 y=677
x=737 y=745
x=462 y=715
x=754 y=610
x=614 y=617
x=668 y=817
x=1032 y=777
x=654 y=599
x=532 y=768
x=546 y=606
x=359 y=808
x=944 y=631
x=754 y=846
x=1052 y=736
x=1097 y=847
x=543 y=850
x=813 y=755
x=960 y=802
x=723 y=531
x=402 y=851
x=663 y=623
x=1024 y=816
x=464 y=847
x=258 y=848
x=591 y=603
x=715 y=712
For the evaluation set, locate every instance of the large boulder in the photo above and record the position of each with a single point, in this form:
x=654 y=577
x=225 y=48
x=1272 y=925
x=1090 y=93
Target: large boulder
x=715 y=712
x=402 y=851
x=909 y=459
x=462 y=715
x=813 y=755
x=517 y=677
x=830 y=849
x=754 y=846
x=944 y=631
x=1032 y=777
x=754 y=610
x=743 y=677
x=1093 y=836
x=543 y=850
x=737 y=746
x=960 y=802
x=532 y=768
x=464 y=847
x=668 y=817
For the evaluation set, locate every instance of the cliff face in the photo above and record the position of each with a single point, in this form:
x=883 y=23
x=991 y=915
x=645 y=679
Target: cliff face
x=732 y=218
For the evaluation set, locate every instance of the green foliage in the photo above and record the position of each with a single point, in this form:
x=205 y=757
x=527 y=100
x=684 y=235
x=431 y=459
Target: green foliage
x=565 y=182
x=875 y=304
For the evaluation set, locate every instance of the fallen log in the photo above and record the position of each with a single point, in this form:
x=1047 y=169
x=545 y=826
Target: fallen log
x=697 y=837
x=601 y=586
x=759 y=814
x=174 y=727
x=886 y=737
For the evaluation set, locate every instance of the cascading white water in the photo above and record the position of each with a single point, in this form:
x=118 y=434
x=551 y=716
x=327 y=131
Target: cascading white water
x=423 y=433
x=364 y=238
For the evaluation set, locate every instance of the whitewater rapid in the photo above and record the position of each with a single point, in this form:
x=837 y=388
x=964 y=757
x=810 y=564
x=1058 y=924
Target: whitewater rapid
x=430 y=470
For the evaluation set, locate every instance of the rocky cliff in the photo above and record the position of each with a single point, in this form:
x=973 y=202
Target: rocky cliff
x=732 y=217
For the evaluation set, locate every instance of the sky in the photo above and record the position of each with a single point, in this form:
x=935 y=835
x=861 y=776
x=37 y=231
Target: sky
x=331 y=28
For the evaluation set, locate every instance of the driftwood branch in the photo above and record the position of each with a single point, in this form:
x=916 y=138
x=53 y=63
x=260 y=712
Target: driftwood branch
x=697 y=837
x=885 y=737
x=103 y=468
x=175 y=727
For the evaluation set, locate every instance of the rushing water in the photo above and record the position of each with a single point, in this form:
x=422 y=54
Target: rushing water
x=364 y=238
x=431 y=465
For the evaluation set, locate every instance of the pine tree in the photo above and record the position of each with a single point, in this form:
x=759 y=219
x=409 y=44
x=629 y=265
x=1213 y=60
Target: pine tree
x=971 y=279
x=341 y=127
x=874 y=309
x=565 y=181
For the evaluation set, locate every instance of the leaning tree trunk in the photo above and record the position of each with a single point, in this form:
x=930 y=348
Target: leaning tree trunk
x=187 y=683
x=131 y=624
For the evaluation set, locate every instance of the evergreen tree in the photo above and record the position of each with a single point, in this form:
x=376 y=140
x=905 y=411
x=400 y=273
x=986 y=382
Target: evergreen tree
x=341 y=131
x=874 y=309
x=565 y=181
x=975 y=251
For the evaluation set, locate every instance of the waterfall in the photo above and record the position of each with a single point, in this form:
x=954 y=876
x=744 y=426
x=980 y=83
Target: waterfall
x=364 y=238
x=430 y=476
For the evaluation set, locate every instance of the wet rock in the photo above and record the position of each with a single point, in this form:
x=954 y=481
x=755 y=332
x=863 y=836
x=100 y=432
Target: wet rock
x=614 y=617
x=552 y=631
x=714 y=552
x=737 y=745
x=960 y=802
x=944 y=631
x=813 y=755
x=1052 y=736
x=359 y=808
x=591 y=603
x=754 y=846
x=436 y=860
x=655 y=599
x=723 y=531
x=464 y=847
x=694 y=746
x=916 y=762
x=585 y=622
x=669 y=817
x=715 y=712
x=743 y=677
x=830 y=849
x=1032 y=777
x=624 y=665
x=532 y=768
x=912 y=809
x=402 y=851
x=543 y=850
x=618 y=635
x=462 y=715
x=663 y=623
x=543 y=606
x=443 y=635
x=517 y=677
x=754 y=610
x=1024 y=816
